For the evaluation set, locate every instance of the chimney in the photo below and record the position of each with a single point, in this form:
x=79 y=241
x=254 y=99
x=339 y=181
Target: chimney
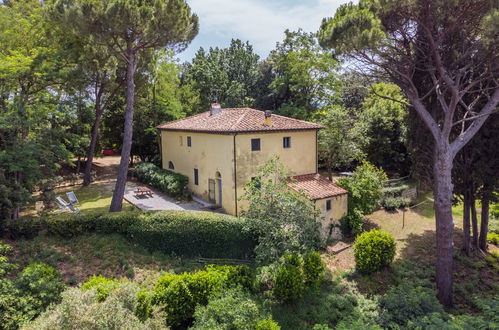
x=215 y=108
x=268 y=118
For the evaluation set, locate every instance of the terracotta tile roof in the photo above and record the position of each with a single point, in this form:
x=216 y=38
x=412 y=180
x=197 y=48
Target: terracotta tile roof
x=234 y=120
x=315 y=186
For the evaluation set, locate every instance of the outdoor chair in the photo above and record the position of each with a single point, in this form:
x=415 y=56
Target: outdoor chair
x=72 y=198
x=65 y=206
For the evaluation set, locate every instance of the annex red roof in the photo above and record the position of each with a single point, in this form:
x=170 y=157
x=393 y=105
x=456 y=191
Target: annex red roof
x=315 y=186
x=234 y=120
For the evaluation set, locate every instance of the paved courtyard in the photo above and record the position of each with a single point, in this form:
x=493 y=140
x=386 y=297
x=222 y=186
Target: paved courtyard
x=158 y=201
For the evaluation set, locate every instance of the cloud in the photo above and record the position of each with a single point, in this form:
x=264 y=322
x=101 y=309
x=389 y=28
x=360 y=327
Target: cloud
x=260 y=22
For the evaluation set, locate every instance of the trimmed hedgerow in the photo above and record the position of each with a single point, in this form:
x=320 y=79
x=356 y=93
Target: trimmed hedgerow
x=372 y=250
x=193 y=233
x=167 y=181
x=23 y=227
x=189 y=233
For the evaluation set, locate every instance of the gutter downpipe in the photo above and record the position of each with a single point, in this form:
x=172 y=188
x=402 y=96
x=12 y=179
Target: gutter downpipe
x=235 y=173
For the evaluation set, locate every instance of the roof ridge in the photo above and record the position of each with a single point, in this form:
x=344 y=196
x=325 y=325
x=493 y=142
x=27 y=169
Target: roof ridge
x=180 y=119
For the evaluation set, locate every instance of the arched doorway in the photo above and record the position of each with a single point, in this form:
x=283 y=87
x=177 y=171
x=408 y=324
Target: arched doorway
x=219 y=188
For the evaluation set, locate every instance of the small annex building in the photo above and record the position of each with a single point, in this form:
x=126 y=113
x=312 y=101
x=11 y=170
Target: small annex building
x=220 y=150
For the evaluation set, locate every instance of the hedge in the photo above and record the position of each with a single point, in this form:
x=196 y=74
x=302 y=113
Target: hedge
x=194 y=233
x=188 y=233
x=169 y=182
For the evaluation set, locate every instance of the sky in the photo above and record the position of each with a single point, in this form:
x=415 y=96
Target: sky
x=261 y=22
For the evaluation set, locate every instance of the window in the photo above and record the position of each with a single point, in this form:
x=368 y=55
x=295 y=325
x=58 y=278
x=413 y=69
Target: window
x=196 y=177
x=286 y=142
x=170 y=165
x=188 y=141
x=328 y=205
x=180 y=141
x=255 y=144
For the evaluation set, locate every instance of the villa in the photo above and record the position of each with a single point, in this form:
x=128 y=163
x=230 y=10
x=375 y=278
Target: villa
x=220 y=150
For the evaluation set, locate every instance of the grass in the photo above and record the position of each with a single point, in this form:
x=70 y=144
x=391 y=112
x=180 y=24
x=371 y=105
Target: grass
x=80 y=257
x=414 y=233
x=93 y=198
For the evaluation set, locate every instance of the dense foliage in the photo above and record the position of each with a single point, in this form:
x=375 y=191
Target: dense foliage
x=187 y=233
x=174 y=184
x=23 y=298
x=284 y=220
x=178 y=295
x=373 y=250
x=364 y=188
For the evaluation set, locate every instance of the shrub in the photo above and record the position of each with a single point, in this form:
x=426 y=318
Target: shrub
x=103 y=286
x=25 y=227
x=393 y=203
x=117 y=222
x=41 y=282
x=178 y=295
x=313 y=269
x=172 y=183
x=289 y=279
x=267 y=324
x=15 y=308
x=364 y=188
x=192 y=233
x=405 y=303
x=82 y=310
x=189 y=233
x=372 y=250
x=351 y=224
x=493 y=238
x=232 y=310
x=70 y=225
x=395 y=191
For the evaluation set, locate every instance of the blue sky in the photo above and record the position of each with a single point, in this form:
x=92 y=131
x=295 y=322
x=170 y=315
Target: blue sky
x=261 y=22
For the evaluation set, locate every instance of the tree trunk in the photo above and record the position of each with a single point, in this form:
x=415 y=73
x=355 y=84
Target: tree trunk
x=474 y=222
x=466 y=223
x=442 y=170
x=329 y=169
x=484 y=228
x=119 y=189
x=78 y=165
x=93 y=140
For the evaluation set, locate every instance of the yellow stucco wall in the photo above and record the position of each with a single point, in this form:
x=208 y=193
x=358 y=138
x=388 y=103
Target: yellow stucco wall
x=214 y=153
x=209 y=153
x=300 y=158
x=339 y=208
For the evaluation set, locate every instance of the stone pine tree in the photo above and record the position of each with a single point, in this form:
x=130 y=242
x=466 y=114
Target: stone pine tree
x=432 y=49
x=130 y=28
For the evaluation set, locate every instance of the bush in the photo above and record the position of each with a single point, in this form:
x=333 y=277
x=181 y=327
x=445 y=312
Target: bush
x=493 y=238
x=103 y=286
x=313 y=269
x=393 y=203
x=189 y=233
x=289 y=279
x=267 y=324
x=406 y=303
x=364 y=188
x=169 y=182
x=192 y=233
x=395 y=191
x=71 y=225
x=178 y=295
x=118 y=222
x=82 y=310
x=372 y=250
x=232 y=310
x=351 y=224
x=24 y=227
x=41 y=282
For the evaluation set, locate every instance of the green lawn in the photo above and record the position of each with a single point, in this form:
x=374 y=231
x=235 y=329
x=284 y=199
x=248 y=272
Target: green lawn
x=93 y=198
